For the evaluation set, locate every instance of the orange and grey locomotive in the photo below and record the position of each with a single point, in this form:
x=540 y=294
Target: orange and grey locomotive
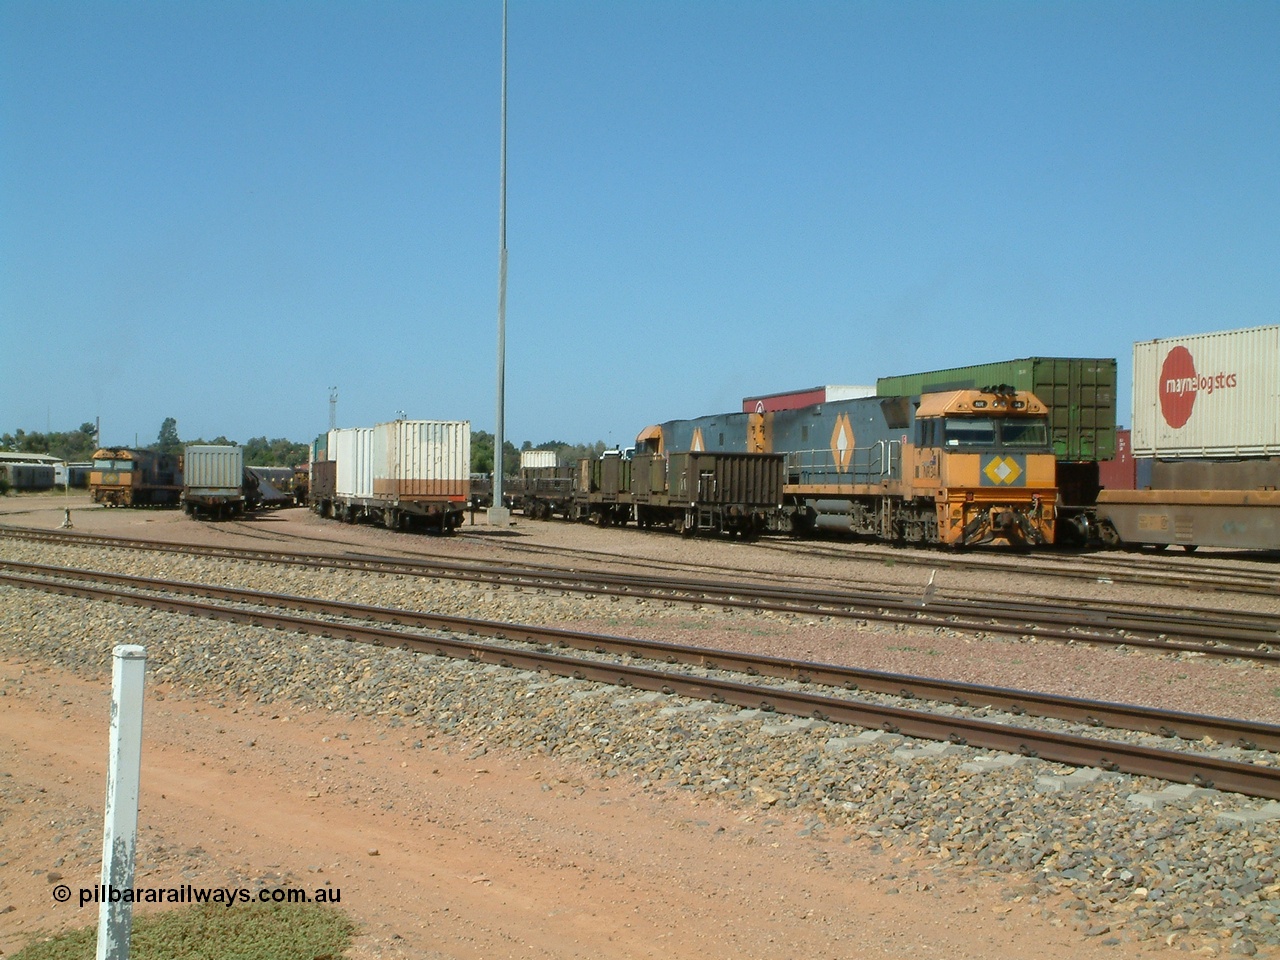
x=125 y=477
x=959 y=468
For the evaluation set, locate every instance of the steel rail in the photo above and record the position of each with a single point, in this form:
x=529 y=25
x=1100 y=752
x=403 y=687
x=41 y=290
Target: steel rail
x=1064 y=624
x=1209 y=579
x=1207 y=771
x=1247 y=734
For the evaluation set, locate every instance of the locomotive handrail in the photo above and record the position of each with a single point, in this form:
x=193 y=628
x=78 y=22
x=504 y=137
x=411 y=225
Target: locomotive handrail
x=885 y=457
x=866 y=464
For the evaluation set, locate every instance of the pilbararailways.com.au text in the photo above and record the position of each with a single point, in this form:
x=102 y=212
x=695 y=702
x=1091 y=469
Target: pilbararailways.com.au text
x=188 y=893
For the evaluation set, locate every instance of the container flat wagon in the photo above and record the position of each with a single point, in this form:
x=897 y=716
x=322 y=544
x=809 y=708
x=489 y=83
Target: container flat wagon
x=214 y=481
x=401 y=474
x=1206 y=444
x=542 y=490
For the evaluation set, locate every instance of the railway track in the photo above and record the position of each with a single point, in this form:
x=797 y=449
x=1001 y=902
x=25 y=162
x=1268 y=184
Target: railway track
x=1202 y=575
x=1229 y=634
x=1253 y=575
x=776 y=685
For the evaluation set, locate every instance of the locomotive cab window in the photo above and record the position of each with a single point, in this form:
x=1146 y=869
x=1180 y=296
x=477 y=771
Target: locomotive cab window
x=119 y=466
x=1024 y=432
x=969 y=432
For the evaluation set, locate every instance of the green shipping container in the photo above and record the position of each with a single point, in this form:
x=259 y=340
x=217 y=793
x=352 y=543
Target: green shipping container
x=1080 y=393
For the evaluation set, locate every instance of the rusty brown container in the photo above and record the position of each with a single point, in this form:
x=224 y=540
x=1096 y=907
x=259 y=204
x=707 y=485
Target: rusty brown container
x=1119 y=473
x=324 y=479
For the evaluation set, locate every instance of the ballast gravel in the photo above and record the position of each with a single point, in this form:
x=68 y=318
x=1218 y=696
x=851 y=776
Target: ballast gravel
x=1156 y=860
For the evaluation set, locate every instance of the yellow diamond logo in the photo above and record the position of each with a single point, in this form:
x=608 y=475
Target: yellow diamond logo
x=1003 y=471
x=842 y=442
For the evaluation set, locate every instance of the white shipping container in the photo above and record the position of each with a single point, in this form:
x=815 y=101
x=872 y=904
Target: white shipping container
x=537 y=459
x=1211 y=395
x=849 y=392
x=352 y=448
x=213 y=467
x=422 y=458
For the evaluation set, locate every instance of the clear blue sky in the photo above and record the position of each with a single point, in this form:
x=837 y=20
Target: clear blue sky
x=216 y=211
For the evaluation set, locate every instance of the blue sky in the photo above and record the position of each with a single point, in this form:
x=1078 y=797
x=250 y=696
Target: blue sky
x=219 y=211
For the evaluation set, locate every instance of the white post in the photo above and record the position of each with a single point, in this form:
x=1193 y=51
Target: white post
x=124 y=774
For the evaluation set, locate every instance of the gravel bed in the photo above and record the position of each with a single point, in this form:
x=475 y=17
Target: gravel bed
x=1187 y=682
x=1205 y=747
x=1191 y=866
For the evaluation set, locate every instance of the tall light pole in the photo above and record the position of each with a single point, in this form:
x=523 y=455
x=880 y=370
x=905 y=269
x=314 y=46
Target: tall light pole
x=498 y=513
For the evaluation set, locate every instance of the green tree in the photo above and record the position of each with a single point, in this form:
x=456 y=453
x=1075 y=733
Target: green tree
x=482 y=454
x=168 y=441
x=72 y=445
x=261 y=452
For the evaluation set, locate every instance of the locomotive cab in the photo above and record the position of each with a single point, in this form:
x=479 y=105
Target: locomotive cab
x=984 y=457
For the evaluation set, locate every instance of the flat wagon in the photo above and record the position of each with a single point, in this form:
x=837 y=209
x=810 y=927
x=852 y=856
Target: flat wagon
x=1206 y=444
x=214 y=480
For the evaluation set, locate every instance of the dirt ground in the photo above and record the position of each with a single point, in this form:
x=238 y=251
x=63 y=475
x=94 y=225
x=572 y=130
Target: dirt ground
x=440 y=852
x=443 y=849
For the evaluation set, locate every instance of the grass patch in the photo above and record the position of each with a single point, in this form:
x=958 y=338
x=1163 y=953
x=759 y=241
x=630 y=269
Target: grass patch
x=277 y=931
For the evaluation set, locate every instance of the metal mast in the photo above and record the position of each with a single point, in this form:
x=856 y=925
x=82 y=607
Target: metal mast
x=498 y=514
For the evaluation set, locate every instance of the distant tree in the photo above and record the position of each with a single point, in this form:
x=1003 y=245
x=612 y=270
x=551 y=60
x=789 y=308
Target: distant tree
x=72 y=446
x=482 y=454
x=168 y=441
x=261 y=452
